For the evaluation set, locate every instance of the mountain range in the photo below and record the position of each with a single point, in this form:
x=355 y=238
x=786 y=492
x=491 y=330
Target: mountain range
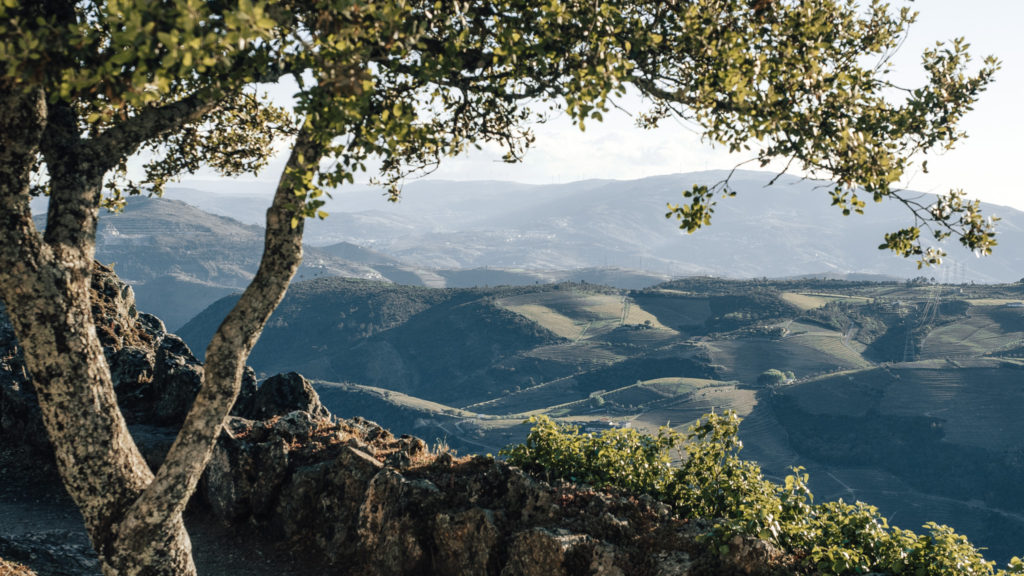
x=785 y=229
x=183 y=252
x=905 y=394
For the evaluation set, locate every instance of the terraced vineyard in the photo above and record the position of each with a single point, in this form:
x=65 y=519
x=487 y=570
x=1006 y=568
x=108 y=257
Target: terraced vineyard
x=833 y=345
x=979 y=403
x=687 y=409
x=806 y=301
x=580 y=314
x=978 y=335
x=744 y=359
x=678 y=311
x=583 y=355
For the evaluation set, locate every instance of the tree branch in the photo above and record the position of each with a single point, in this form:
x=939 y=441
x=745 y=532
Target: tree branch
x=124 y=139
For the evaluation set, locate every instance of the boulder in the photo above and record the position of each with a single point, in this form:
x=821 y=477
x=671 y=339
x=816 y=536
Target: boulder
x=154 y=374
x=176 y=381
x=281 y=394
x=539 y=551
x=467 y=542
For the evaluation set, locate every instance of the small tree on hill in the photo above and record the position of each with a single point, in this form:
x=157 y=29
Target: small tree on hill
x=773 y=377
x=87 y=84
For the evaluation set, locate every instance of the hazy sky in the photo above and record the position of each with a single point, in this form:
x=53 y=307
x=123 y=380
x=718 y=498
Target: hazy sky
x=986 y=164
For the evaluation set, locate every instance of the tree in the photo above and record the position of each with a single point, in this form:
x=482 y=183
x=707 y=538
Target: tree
x=773 y=377
x=88 y=84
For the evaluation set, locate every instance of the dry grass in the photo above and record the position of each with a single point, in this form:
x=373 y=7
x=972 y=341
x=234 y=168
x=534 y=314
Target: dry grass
x=559 y=324
x=994 y=301
x=680 y=416
x=831 y=344
x=400 y=399
x=580 y=316
x=805 y=301
x=805 y=355
x=12 y=569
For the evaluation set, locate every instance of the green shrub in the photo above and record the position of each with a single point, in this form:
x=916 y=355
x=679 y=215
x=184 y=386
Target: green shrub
x=713 y=482
x=772 y=377
x=619 y=457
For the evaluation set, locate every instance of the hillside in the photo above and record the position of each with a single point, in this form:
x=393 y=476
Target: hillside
x=179 y=259
x=904 y=394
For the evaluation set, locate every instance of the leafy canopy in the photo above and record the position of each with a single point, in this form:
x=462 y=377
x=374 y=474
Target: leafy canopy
x=408 y=82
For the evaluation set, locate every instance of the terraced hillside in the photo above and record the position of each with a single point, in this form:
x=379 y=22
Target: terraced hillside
x=930 y=440
x=500 y=353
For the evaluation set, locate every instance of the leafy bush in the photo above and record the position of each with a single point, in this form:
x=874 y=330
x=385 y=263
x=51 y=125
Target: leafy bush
x=772 y=377
x=714 y=482
x=619 y=457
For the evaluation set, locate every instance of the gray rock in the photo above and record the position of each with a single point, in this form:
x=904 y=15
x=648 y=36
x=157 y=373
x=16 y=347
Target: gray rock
x=55 y=553
x=176 y=381
x=284 y=393
x=466 y=543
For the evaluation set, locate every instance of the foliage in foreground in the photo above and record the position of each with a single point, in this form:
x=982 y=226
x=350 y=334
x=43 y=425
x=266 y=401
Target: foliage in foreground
x=714 y=482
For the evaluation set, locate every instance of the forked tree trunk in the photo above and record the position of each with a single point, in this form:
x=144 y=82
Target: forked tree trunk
x=45 y=285
x=134 y=518
x=165 y=499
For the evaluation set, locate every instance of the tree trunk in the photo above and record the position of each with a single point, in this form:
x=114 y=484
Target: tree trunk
x=165 y=499
x=46 y=290
x=133 y=518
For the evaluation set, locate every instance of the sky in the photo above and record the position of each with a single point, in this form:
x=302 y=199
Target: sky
x=984 y=165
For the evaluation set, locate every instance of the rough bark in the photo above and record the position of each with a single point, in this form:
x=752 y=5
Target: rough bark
x=165 y=499
x=46 y=289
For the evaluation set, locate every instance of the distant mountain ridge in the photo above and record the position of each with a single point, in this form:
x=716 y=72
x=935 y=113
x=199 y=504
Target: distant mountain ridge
x=181 y=258
x=784 y=230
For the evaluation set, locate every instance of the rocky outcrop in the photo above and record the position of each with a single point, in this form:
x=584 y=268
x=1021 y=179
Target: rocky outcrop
x=369 y=503
x=279 y=395
x=154 y=373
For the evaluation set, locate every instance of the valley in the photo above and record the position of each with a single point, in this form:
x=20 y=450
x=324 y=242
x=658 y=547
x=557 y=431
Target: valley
x=459 y=323
x=902 y=394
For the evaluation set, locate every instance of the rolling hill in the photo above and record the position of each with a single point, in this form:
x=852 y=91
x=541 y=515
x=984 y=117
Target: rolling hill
x=905 y=394
x=179 y=259
x=463 y=234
